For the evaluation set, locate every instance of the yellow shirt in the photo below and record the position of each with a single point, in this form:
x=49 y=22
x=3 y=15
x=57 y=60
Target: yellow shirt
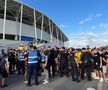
x=78 y=57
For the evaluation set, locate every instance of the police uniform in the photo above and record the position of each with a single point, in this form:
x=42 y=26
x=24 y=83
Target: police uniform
x=86 y=66
x=74 y=69
x=63 y=63
x=33 y=66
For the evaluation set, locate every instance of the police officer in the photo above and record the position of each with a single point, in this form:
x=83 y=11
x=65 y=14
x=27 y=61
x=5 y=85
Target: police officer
x=63 y=56
x=86 y=66
x=74 y=65
x=32 y=65
x=21 y=65
x=11 y=59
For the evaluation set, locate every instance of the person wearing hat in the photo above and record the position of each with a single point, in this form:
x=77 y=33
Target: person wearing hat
x=21 y=47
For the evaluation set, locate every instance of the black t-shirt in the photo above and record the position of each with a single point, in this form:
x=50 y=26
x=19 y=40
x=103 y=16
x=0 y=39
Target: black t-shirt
x=51 y=56
x=56 y=53
x=2 y=64
x=63 y=55
x=86 y=57
x=11 y=57
x=96 y=58
x=71 y=57
x=105 y=56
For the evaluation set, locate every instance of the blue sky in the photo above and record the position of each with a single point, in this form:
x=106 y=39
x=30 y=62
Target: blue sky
x=83 y=21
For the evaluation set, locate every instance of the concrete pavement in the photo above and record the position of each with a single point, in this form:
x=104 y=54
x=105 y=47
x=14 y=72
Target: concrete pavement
x=15 y=82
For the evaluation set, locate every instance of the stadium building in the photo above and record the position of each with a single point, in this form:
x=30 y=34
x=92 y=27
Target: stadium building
x=20 y=23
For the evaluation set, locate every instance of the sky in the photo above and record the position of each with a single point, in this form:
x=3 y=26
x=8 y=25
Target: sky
x=84 y=22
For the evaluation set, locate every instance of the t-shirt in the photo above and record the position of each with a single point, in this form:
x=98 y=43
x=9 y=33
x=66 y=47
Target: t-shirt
x=56 y=53
x=2 y=63
x=86 y=57
x=2 y=54
x=105 y=56
x=96 y=58
x=11 y=57
x=63 y=55
x=71 y=57
x=51 y=56
x=78 y=57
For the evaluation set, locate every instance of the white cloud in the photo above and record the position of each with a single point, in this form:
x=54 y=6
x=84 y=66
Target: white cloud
x=92 y=34
x=85 y=20
x=90 y=18
x=82 y=39
x=98 y=15
x=104 y=26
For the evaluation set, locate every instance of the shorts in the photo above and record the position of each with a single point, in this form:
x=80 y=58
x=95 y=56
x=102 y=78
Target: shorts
x=104 y=69
x=4 y=73
x=97 y=67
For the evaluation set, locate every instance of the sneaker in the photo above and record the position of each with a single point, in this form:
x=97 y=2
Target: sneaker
x=25 y=81
x=46 y=82
x=101 y=80
x=97 y=78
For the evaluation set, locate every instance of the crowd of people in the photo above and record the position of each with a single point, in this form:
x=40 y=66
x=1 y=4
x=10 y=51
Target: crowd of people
x=51 y=62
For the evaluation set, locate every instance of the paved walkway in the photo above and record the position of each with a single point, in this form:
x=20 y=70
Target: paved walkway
x=15 y=82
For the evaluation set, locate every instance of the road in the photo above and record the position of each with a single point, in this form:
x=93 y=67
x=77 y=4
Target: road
x=15 y=82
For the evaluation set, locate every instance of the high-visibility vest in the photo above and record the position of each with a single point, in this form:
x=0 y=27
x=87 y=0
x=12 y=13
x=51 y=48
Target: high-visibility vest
x=21 y=56
x=32 y=56
x=43 y=57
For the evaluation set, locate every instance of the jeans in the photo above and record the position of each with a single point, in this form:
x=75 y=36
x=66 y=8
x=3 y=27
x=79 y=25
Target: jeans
x=33 y=70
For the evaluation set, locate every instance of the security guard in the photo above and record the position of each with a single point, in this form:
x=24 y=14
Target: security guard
x=21 y=63
x=32 y=65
